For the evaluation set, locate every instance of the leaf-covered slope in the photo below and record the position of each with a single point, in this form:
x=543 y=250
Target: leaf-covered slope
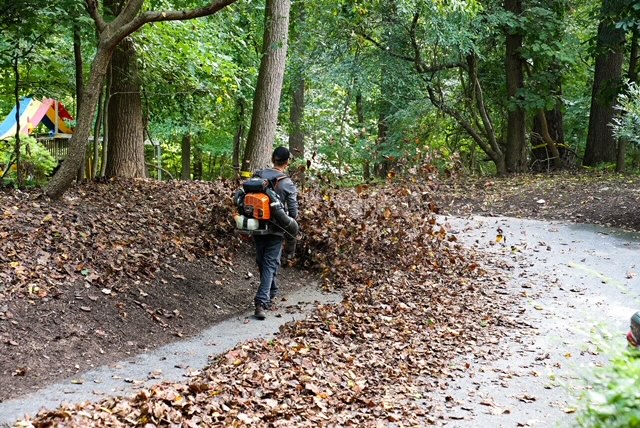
x=106 y=235
x=413 y=301
x=608 y=199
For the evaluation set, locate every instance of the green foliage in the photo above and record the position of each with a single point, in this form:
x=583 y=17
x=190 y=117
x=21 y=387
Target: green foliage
x=194 y=73
x=627 y=124
x=385 y=76
x=36 y=159
x=614 y=398
x=36 y=36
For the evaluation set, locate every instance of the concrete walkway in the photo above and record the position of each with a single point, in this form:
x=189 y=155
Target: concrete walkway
x=175 y=362
x=578 y=288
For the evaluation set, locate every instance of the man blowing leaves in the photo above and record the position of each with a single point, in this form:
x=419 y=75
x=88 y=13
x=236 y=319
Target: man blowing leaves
x=269 y=246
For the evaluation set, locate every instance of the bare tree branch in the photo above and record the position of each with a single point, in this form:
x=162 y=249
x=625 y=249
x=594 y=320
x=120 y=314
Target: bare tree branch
x=130 y=10
x=381 y=46
x=479 y=96
x=92 y=8
x=420 y=66
x=134 y=23
x=414 y=43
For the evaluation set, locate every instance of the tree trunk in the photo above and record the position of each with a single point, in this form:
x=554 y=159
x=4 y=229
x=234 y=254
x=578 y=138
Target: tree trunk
x=213 y=165
x=239 y=137
x=548 y=128
x=551 y=145
x=601 y=144
x=296 y=112
x=61 y=181
x=550 y=122
x=125 y=154
x=77 y=56
x=110 y=34
x=96 y=136
x=632 y=76
x=105 y=124
x=515 y=153
x=362 y=133
x=16 y=95
x=185 y=150
x=296 y=115
x=477 y=124
x=197 y=163
x=382 y=166
x=266 y=102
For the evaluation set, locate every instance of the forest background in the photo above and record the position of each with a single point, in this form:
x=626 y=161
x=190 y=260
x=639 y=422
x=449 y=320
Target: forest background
x=371 y=89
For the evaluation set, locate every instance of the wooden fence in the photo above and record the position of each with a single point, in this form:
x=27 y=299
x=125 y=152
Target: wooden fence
x=58 y=147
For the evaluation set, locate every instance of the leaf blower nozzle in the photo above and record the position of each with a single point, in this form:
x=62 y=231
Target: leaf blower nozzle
x=288 y=224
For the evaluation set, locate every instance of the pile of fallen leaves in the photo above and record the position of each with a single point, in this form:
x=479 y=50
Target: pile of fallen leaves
x=586 y=196
x=413 y=301
x=108 y=235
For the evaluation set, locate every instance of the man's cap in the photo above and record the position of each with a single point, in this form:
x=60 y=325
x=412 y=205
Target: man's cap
x=281 y=154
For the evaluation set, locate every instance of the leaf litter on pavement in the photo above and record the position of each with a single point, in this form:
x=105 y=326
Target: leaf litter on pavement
x=414 y=300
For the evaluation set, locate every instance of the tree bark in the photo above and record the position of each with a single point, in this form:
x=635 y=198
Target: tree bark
x=548 y=127
x=105 y=124
x=16 y=95
x=197 y=163
x=61 y=181
x=77 y=56
x=239 y=136
x=125 y=154
x=96 y=136
x=515 y=153
x=551 y=145
x=185 y=150
x=601 y=144
x=296 y=115
x=268 y=90
x=296 y=112
x=362 y=132
x=382 y=165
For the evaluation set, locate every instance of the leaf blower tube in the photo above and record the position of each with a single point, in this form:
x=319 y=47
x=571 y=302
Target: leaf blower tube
x=282 y=220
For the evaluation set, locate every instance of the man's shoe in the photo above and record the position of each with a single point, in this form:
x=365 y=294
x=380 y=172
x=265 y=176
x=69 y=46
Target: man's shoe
x=259 y=312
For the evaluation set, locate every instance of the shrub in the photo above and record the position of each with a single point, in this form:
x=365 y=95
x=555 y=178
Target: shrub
x=37 y=162
x=614 y=400
x=627 y=124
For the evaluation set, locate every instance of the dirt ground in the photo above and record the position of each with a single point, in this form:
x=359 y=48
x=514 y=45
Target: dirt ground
x=85 y=325
x=597 y=198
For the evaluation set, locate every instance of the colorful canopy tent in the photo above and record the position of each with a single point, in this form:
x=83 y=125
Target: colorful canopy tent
x=49 y=112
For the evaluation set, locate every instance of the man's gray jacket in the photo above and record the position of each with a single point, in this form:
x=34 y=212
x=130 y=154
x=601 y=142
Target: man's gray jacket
x=285 y=188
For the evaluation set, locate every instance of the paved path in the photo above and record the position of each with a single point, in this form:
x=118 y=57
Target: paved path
x=174 y=362
x=578 y=287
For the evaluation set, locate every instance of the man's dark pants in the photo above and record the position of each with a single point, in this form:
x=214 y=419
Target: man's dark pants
x=268 y=250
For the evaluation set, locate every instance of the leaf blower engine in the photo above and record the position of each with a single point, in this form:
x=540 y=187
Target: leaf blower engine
x=260 y=210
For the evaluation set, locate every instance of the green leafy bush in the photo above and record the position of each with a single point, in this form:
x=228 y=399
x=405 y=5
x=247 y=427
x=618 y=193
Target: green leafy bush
x=614 y=399
x=36 y=160
x=627 y=124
